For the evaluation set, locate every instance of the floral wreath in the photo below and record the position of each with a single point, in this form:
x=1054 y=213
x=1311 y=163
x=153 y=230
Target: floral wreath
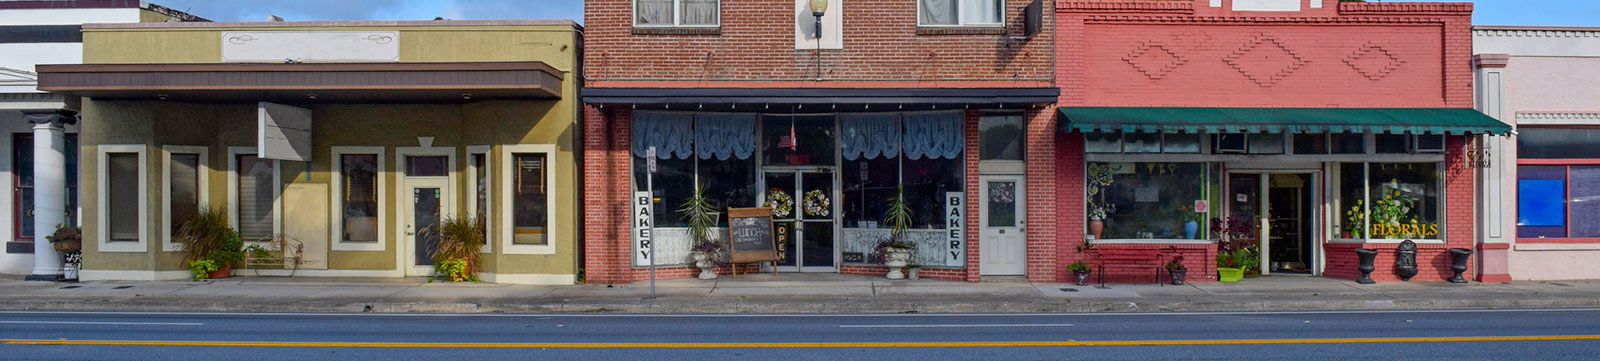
x=782 y=206
x=816 y=204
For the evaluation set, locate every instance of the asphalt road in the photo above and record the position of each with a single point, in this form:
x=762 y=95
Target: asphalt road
x=1454 y=335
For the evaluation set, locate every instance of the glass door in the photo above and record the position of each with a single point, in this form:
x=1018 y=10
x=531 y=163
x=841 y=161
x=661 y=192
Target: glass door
x=803 y=217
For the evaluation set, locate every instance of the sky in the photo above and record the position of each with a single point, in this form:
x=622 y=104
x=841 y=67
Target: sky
x=1489 y=12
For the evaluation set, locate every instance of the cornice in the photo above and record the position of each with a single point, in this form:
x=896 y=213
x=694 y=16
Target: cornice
x=1264 y=19
x=1549 y=33
x=1404 y=8
x=1170 y=7
x=1558 y=117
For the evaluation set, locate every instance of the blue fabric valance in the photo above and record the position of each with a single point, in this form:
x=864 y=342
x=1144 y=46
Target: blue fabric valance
x=934 y=135
x=724 y=135
x=870 y=136
x=671 y=134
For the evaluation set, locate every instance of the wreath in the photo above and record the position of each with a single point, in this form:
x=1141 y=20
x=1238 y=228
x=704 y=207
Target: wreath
x=782 y=206
x=816 y=204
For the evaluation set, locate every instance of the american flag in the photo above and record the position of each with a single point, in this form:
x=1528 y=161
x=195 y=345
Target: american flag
x=788 y=141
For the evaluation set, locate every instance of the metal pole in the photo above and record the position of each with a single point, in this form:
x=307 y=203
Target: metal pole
x=650 y=187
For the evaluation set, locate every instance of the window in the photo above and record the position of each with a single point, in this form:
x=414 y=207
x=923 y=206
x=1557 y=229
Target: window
x=1392 y=201
x=1558 y=183
x=22 y=189
x=798 y=140
x=926 y=180
x=255 y=192
x=1142 y=143
x=1392 y=143
x=527 y=198
x=358 y=194
x=185 y=189
x=479 y=181
x=122 y=194
x=1148 y=200
x=1001 y=137
x=666 y=13
x=960 y=12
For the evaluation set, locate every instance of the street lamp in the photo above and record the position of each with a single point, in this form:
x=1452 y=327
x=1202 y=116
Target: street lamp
x=818 y=8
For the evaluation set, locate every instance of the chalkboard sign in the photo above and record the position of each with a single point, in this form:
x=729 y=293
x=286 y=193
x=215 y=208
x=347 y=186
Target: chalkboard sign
x=750 y=235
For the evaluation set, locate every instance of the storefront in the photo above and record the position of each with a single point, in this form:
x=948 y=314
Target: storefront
x=830 y=176
x=1228 y=137
x=346 y=161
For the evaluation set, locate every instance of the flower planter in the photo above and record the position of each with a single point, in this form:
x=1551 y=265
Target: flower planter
x=68 y=246
x=222 y=272
x=1458 y=263
x=1177 y=276
x=708 y=269
x=913 y=273
x=1367 y=257
x=1229 y=275
x=895 y=258
x=1096 y=227
x=1081 y=278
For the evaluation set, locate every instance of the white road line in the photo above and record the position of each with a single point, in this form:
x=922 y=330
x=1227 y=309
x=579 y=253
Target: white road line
x=102 y=323
x=961 y=326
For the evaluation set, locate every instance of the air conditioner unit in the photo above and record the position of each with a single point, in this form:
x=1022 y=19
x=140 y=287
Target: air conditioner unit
x=1229 y=143
x=1427 y=143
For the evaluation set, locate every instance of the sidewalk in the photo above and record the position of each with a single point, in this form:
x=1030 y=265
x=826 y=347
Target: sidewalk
x=787 y=293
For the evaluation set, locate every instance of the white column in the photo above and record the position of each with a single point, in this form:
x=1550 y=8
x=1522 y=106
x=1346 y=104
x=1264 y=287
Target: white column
x=49 y=190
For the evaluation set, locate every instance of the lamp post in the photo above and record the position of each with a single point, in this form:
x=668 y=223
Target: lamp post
x=818 y=8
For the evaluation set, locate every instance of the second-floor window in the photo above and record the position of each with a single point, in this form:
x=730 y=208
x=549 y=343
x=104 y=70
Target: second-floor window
x=669 y=13
x=960 y=12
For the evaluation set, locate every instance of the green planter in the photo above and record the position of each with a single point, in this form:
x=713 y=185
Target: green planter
x=1230 y=275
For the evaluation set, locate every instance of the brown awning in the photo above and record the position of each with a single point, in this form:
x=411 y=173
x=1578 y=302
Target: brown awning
x=323 y=82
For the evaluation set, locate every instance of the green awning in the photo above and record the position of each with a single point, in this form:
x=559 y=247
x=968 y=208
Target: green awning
x=1294 y=120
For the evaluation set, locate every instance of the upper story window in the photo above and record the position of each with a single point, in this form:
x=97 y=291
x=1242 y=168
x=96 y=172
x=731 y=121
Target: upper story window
x=960 y=12
x=671 y=13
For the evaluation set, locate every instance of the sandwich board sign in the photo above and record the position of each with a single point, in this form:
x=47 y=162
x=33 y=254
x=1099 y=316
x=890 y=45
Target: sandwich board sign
x=283 y=132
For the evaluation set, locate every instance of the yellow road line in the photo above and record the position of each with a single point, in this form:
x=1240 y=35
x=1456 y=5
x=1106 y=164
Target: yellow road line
x=816 y=345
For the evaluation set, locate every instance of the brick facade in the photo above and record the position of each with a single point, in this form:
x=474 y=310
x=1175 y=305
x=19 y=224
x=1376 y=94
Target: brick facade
x=1137 y=53
x=754 y=48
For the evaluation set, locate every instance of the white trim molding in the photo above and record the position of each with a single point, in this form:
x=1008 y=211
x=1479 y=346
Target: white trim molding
x=204 y=173
x=117 y=275
x=322 y=273
x=506 y=224
x=472 y=191
x=529 y=279
x=104 y=212
x=1558 y=118
x=233 y=189
x=1537 y=41
x=336 y=188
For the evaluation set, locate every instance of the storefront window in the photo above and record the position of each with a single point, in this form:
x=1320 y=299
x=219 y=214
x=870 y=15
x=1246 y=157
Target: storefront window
x=729 y=183
x=714 y=149
x=1394 y=201
x=1557 y=193
x=1148 y=200
x=926 y=181
x=869 y=186
x=797 y=140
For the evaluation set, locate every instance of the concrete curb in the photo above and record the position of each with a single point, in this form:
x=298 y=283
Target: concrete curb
x=796 y=306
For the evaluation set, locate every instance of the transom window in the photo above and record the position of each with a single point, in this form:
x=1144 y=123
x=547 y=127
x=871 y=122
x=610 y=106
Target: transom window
x=960 y=12
x=669 y=13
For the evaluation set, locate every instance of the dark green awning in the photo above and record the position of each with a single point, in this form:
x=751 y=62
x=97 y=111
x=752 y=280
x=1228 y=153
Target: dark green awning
x=1294 y=120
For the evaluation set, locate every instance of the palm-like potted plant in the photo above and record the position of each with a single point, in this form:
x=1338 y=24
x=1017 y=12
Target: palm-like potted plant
x=896 y=250
x=1080 y=268
x=210 y=245
x=460 y=241
x=1234 y=257
x=700 y=216
x=1176 y=272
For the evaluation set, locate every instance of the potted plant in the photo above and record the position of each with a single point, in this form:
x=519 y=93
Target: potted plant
x=66 y=239
x=460 y=241
x=913 y=271
x=210 y=245
x=1101 y=176
x=1232 y=251
x=1354 y=222
x=896 y=250
x=1080 y=268
x=697 y=211
x=1176 y=272
x=1191 y=221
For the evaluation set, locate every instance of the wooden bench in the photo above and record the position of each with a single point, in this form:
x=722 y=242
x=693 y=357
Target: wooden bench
x=1127 y=259
x=278 y=251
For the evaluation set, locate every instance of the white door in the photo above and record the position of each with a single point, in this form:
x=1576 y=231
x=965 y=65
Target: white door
x=427 y=200
x=1002 y=241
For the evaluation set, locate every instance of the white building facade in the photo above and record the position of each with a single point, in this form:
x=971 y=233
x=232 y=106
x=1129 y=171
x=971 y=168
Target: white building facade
x=32 y=33
x=1540 y=196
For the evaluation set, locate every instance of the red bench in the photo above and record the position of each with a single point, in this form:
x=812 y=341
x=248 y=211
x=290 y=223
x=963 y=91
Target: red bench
x=1143 y=260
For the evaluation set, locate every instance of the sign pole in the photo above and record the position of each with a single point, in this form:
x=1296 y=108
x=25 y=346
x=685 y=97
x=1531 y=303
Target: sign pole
x=650 y=187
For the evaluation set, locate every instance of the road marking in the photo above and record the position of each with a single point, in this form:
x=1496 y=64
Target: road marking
x=780 y=315
x=801 y=345
x=961 y=326
x=103 y=323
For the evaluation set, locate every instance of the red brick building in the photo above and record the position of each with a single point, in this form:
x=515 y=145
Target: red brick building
x=1314 y=127
x=949 y=100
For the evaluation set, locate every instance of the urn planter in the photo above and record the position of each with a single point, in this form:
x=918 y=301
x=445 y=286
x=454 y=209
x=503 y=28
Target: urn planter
x=1458 y=263
x=896 y=258
x=708 y=269
x=1367 y=257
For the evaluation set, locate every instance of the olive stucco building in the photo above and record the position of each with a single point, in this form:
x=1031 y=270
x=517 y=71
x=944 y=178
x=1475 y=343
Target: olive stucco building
x=409 y=123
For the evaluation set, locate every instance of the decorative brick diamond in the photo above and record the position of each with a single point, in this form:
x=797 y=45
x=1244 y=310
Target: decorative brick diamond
x=1154 y=60
x=1373 y=61
x=1265 y=60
